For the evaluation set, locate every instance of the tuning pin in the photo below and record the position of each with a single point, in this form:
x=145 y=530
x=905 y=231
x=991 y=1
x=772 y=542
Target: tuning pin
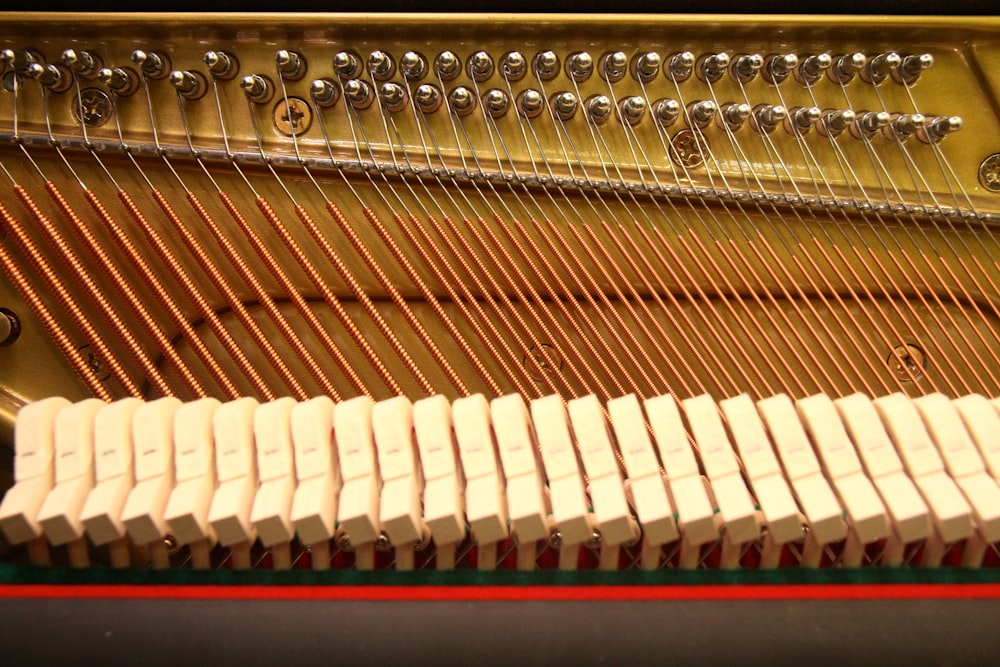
x=7 y=57
x=564 y=105
x=767 y=117
x=680 y=67
x=480 y=66
x=392 y=96
x=258 y=88
x=347 y=65
x=811 y=69
x=122 y=81
x=745 y=67
x=939 y=128
x=777 y=67
x=845 y=67
x=496 y=102
x=413 y=66
x=358 y=93
x=801 y=119
x=153 y=64
x=381 y=65
x=835 y=121
x=911 y=68
x=221 y=65
x=325 y=92
x=579 y=66
x=513 y=66
x=632 y=109
x=447 y=65
x=192 y=85
x=85 y=64
x=646 y=66
x=546 y=65
x=880 y=67
x=599 y=109
x=666 y=112
x=868 y=123
x=291 y=65
x=701 y=113
x=613 y=66
x=904 y=126
x=712 y=66
x=462 y=101
x=427 y=98
x=56 y=78
x=530 y=103
x=733 y=115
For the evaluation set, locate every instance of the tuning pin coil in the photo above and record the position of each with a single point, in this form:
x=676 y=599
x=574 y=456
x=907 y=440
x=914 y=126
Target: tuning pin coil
x=190 y=85
x=358 y=93
x=461 y=101
x=599 y=108
x=579 y=66
x=496 y=102
x=801 y=119
x=712 y=66
x=392 y=96
x=733 y=115
x=646 y=66
x=778 y=66
x=700 y=114
x=666 y=111
x=324 y=92
x=447 y=65
x=834 y=121
x=904 y=126
x=632 y=109
x=221 y=64
x=565 y=105
x=480 y=66
x=413 y=66
x=530 y=103
x=291 y=65
x=938 y=128
x=381 y=65
x=546 y=65
x=152 y=64
x=258 y=88
x=767 y=117
x=846 y=67
x=911 y=68
x=513 y=66
x=427 y=98
x=613 y=66
x=744 y=68
x=347 y=65
x=878 y=69
x=84 y=64
x=811 y=68
x=122 y=81
x=867 y=123
x=680 y=66
x=56 y=78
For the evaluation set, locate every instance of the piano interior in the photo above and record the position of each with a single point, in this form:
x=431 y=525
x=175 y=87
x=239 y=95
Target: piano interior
x=499 y=293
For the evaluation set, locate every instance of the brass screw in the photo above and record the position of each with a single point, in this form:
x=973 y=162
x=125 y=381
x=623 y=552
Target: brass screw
x=548 y=360
x=92 y=107
x=688 y=149
x=292 y=117
x=907 y=360
x=989 y=173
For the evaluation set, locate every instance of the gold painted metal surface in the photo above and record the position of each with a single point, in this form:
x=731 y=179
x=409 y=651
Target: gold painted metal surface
x=601 y=265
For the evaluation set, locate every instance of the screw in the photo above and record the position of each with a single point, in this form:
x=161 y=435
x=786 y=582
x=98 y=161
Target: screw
x=292 y=117
x=94 y=362
x=907 y=360
x=382 y=542
x=688 y=149
x=555 y=539
x=10 y=327
x=547 y=359
x=92 y=107
x=989 y=173
x=172 y=545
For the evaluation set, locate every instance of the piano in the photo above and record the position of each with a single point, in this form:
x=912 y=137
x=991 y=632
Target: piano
x=570 y=322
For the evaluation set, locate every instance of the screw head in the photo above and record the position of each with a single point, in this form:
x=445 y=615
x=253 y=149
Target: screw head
x=688 y=149
x=92 y=107
x=292 y=117
x=989 y=173
x=547 y=360
x=908 y=362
